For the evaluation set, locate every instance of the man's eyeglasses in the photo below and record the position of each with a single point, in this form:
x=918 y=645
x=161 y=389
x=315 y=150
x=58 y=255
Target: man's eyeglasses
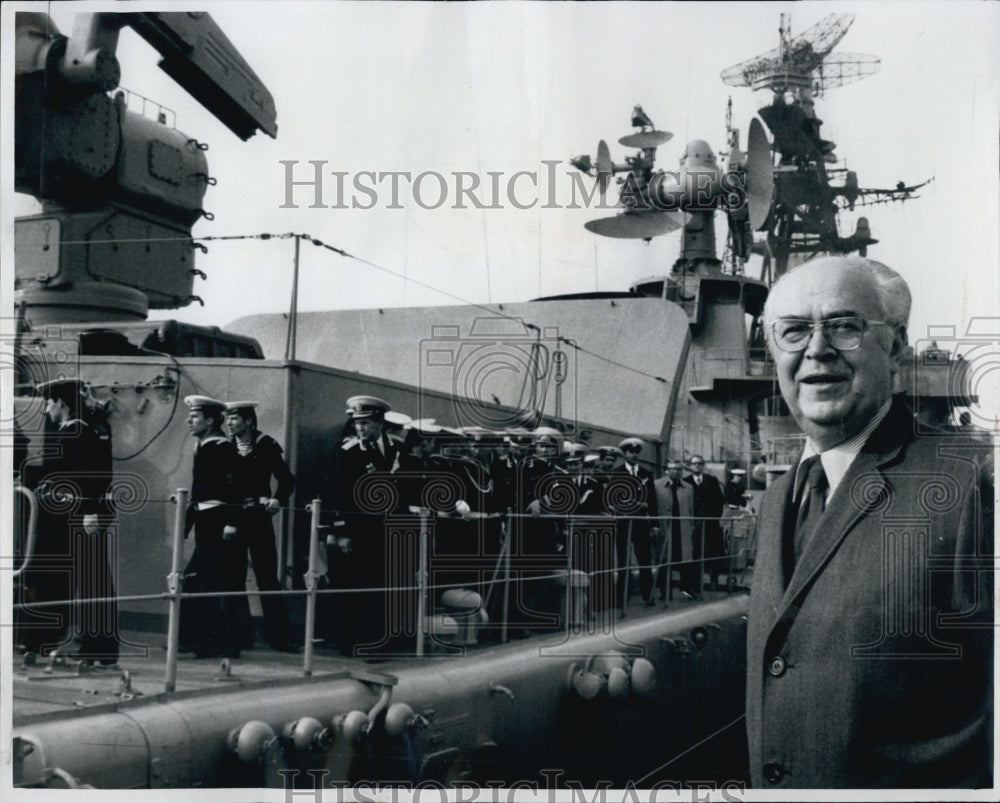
x=844 y=334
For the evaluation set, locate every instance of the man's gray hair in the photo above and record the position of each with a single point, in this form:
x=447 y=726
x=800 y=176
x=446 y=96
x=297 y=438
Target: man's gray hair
x=893 y=291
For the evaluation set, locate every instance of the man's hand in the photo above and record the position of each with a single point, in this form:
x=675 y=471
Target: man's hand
x=535 y=508
x=91 y=524
x=228 y=532
x=272 y=506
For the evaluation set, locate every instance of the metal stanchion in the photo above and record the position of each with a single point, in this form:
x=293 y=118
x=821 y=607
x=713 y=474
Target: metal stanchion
x=29 y=546
x=315 y=508
x=505 y=612
x=628 y=562
x=663 y=561
x=173 y=587
x=570 y=593
x=422 y=585
x=701 y=557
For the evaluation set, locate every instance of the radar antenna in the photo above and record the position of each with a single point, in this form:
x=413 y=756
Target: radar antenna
x=802 y=220
x=804 y=61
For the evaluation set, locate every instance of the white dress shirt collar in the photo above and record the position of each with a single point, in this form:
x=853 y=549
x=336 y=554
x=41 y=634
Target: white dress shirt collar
x=838 y=459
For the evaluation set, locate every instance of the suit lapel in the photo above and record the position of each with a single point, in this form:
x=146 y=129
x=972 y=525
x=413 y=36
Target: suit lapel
x=769 y=574
x=845 y=508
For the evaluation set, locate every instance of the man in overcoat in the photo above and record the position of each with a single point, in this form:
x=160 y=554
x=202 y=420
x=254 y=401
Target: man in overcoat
x=675 y=499
x=869 y=658
x=709 y=502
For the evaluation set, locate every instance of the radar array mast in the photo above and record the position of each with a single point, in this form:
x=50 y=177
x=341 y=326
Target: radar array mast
x=803 y=218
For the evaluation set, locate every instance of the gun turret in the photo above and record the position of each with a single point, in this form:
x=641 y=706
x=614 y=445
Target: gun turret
x=120 y=191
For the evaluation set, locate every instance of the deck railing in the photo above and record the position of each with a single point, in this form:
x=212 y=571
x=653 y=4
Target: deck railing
x=560 y=568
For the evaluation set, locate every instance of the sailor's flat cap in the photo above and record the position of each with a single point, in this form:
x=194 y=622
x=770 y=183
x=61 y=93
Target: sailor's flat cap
x=240 y=406
x=203 y=402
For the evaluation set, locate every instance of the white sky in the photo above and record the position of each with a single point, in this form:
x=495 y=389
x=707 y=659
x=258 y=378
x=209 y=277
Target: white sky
x=502 y=86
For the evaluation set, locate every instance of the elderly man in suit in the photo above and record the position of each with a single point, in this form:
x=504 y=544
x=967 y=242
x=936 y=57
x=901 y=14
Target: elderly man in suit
x=709 y=502
x=869 y=656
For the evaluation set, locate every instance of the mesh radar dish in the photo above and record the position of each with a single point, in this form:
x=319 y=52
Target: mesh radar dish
x=641 y=226
x=804 y=61
x=759 y=175
x=645 y=139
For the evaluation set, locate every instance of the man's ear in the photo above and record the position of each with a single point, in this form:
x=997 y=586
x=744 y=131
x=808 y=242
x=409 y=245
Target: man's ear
x=898 y=347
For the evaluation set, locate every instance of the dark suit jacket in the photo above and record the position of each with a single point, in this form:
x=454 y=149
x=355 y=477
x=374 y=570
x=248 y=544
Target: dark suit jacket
x=637 y=496
x=873 y=667
x=709 y=502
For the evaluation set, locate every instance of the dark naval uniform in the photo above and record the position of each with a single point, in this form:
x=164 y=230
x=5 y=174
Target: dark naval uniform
x=70 y=562
x=365 y=494
x=256 y=468
x=588 y=533
x=537 y=545
x=211 y=626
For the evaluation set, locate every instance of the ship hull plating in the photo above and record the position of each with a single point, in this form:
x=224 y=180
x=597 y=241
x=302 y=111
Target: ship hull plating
x=521 y=712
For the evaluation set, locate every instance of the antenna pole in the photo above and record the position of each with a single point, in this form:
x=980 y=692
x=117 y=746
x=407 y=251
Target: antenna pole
x=293 y=312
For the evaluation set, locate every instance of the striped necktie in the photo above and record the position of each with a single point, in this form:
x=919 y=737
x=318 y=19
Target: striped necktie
x=812 y=501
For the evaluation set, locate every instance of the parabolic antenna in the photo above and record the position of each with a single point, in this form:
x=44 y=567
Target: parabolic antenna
x=605 y=168
x=646 y=139
x=636 y=225
x=760 y=175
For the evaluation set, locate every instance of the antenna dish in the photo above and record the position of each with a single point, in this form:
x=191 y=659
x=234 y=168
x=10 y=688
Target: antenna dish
x=605 y=167
x=759 y=175
x=636 y=226
x=646 y=139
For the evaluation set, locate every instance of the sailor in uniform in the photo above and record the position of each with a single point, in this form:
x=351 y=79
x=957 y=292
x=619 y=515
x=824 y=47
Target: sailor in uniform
x=219 y=562
x=639 y=500
x=72 y=554
x=260 y=460
x=608 y=460
x=365 y=494
x=588 y=532
x=538 y=539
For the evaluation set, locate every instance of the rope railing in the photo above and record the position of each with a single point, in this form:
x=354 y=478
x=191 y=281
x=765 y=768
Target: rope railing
x=507 y=569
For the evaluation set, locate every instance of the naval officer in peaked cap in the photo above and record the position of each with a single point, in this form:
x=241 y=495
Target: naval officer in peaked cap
x=639 y=501
x=364 y=465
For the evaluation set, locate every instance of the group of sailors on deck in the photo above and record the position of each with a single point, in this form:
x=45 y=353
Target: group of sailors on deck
x=515 y=519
